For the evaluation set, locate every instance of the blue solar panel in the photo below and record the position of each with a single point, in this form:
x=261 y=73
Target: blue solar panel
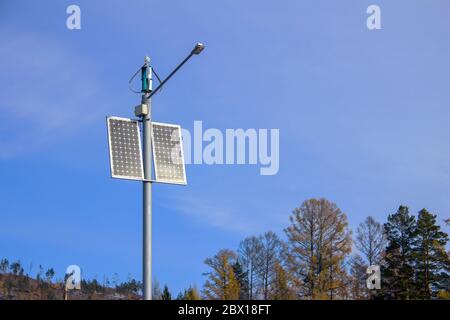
x=168 y=153
x=125 y=148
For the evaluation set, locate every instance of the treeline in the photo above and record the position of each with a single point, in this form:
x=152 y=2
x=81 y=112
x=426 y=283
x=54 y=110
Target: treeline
x=15 y=284
x=316 y=260
x=190 y=293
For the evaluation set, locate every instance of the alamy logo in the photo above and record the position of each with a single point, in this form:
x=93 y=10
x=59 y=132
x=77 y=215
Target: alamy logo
x=234 y=146
x=73 y=277
x=374 y=20
x=373 y=282
x=73 y=22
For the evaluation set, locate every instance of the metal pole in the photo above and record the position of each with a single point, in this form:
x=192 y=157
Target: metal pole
x=146 y=77
x=147 y=185
x=171 y=74
x=196 y=51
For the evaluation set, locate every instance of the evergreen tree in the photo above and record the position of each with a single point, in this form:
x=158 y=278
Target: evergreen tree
x=49 y=274
x=4 y=265
x=130 y=287
x=166 y=294
x=40 y=273
x=15 y=268
x=180 y=296
x=398 y=269
x=221 y=283
x=242 y=279
x=432 y=264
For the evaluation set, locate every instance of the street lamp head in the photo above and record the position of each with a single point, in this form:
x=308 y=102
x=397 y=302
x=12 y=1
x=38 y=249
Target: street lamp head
x=198 y=48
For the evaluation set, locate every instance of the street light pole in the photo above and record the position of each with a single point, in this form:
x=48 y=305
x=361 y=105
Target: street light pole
x=144 y=111
x=146 y=77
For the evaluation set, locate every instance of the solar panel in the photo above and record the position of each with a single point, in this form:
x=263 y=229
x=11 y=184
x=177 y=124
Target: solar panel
x=125 y=148
x=168 y=153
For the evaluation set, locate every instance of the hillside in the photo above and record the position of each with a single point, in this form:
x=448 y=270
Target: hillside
x=23 y=287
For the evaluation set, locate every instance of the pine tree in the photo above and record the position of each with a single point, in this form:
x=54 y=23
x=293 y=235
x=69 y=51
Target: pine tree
x=49 y=274
x=40 y=274
x=431 y=260
x=15 y=268
x=221 y=283
x=242 y=279
x=166 y=294
x=398 y=269
x=4 y=265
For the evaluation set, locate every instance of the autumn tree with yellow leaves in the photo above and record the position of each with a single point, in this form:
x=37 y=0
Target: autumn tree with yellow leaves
x=221 y=283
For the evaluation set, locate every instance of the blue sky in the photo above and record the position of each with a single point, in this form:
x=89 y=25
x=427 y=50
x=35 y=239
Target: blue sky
x=363 y=118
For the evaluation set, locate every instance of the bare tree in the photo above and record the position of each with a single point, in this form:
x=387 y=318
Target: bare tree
x=250 y=258
x=271 y=251
x=357 y=283
x=371 y=240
